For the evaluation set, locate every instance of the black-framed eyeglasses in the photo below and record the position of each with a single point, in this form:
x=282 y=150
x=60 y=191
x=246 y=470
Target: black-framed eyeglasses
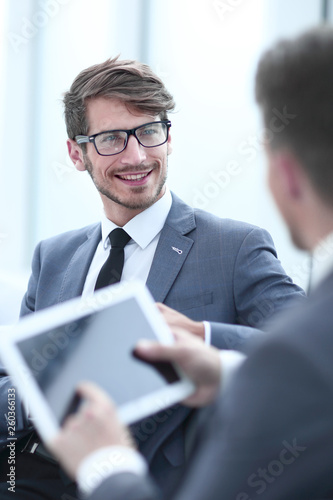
x=112 y=142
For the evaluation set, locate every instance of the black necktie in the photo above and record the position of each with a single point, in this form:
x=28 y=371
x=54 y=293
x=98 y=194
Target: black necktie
x=113 y=267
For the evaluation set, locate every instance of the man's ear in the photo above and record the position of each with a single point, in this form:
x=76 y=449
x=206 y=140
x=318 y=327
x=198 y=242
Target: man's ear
x=292 y=175
x=75 y=154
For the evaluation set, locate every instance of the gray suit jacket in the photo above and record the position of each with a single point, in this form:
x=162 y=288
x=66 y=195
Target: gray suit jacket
x=225 y=272
x=270 y=436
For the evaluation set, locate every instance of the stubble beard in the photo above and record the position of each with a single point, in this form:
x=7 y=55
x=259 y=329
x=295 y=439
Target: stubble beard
x=135 y=205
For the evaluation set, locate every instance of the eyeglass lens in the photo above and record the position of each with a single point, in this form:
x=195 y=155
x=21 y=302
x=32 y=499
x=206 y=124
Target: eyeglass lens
x=150 y=135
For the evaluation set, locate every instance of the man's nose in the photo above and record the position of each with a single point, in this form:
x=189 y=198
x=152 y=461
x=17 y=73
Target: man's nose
x=134 y=153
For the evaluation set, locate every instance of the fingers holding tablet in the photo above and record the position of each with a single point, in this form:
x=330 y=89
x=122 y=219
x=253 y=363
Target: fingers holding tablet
x=201 y=363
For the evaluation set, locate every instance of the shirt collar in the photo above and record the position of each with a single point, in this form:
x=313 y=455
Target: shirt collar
x=143 y=227
x=322 y=260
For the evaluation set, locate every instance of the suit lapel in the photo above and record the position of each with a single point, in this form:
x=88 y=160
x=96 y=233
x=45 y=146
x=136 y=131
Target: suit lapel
x=172 y=249
x=78 y=266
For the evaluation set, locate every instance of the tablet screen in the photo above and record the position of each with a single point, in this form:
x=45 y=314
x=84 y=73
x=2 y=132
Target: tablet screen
x=97 y=347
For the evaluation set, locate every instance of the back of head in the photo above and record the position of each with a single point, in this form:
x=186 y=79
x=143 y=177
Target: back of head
x=295 y=79
x=132 y=82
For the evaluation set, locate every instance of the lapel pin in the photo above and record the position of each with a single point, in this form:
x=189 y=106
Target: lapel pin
x=177 y=250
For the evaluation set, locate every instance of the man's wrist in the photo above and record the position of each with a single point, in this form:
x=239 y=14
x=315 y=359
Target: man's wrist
x=198 y=329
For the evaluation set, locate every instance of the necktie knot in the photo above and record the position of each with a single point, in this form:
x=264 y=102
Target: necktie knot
x=119 y=238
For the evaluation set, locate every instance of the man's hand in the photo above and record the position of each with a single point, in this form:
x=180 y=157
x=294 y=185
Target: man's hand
x=177 y=320
x=198 y=361
x=95 y=426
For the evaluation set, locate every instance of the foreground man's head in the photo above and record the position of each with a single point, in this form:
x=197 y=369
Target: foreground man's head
x=295 y=78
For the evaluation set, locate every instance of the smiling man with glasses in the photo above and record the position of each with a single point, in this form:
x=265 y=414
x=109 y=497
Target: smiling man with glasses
x=220 y=279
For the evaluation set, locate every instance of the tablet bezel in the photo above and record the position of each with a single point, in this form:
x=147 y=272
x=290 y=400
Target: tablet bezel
x=59 y=315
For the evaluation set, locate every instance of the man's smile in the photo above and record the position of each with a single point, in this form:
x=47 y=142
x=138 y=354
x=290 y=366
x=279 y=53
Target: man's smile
x=134 y=178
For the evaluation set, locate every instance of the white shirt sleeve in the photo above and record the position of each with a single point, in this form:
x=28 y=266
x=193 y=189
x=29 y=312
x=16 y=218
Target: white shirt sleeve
x=230 y=362
x=104 y=463
x=208 y=332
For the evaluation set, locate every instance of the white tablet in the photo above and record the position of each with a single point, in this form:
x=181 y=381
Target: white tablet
x=48 y=353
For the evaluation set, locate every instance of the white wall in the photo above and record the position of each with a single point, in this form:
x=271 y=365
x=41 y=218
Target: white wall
x=205 y=50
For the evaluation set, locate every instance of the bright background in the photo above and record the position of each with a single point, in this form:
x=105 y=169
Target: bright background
x=206 y=51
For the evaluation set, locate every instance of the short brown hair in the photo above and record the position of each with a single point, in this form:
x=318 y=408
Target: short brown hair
x=297 y=75
x=132 y=82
